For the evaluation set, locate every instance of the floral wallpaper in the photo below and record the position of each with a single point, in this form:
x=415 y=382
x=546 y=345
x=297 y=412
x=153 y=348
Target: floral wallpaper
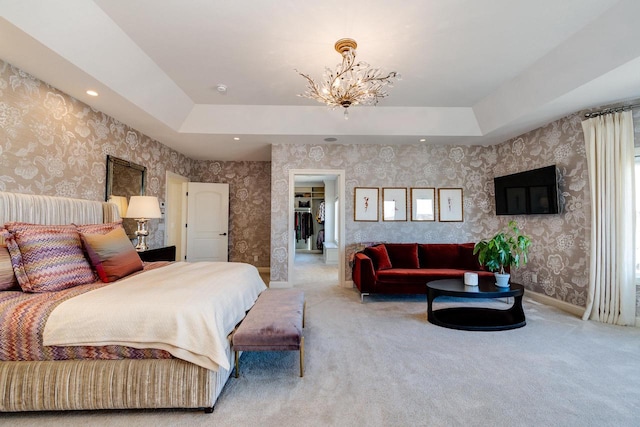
x=559 y=252
x=389 y=166
x=249 y=206
x=53 y=144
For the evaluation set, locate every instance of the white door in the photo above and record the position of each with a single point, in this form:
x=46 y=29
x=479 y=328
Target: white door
x=207 y=222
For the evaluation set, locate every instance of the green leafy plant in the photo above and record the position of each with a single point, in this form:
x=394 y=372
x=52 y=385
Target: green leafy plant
x=508 y=248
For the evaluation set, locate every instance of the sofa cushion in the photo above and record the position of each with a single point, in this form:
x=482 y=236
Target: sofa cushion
x=403 y=255
x=379 y=256
x=468 y=260
x=422 y=276
x=436 y=255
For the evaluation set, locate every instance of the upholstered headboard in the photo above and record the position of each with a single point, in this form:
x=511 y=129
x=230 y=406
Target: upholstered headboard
x=49 y=210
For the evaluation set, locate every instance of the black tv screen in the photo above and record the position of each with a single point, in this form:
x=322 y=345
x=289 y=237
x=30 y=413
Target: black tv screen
x=527 y=193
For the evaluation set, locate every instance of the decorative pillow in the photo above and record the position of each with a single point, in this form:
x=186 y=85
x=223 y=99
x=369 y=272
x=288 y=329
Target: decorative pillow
x=403 y=255
x=468 y=260
x=47 y=258
x=98 y=228
x=436 y=255
x=8 y=279
x=379 y=256
x=112 y=254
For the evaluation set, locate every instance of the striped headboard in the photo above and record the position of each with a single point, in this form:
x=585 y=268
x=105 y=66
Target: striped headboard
x=49 y=210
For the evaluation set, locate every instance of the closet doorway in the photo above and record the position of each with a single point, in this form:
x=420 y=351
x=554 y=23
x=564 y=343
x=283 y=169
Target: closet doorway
x=317 y=216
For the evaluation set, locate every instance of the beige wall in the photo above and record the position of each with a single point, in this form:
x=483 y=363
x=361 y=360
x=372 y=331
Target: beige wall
x=53 y=144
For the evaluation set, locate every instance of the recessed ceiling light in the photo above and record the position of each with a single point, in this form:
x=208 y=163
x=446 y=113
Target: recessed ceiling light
x=235 y=138
x=331 y=139
x=423 y=139
x=92 y=93
x=221 y=88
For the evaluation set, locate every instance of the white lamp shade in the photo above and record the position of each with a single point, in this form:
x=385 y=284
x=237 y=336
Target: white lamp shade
x=121 y=203
x=143 y=207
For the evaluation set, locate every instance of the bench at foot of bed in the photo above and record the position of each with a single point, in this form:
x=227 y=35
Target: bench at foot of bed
x=274 y=323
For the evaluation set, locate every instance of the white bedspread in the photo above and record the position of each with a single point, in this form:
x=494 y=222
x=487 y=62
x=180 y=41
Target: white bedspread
x=187 y=309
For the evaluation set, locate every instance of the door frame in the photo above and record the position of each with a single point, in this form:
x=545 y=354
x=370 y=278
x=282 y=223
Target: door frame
x=340 y=174
x=174 y=204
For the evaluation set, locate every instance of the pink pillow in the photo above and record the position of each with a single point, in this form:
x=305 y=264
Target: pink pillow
x=379 y=256
x=47 y=258
x=98 y=228
x=112 y=254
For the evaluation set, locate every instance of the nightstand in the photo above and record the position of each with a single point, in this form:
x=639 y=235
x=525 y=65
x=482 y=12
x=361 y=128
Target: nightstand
x=167 y=253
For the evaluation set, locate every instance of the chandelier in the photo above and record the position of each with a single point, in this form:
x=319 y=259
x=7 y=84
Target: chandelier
x=351 y=83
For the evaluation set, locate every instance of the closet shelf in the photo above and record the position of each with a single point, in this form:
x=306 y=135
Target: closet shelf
x=309 y=192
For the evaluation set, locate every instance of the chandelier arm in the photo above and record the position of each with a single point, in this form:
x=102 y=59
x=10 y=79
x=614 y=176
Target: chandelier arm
x=313 y=88
x=348 y=58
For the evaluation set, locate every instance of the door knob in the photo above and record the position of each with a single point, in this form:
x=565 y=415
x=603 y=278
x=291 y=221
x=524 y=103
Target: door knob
x=223 y=234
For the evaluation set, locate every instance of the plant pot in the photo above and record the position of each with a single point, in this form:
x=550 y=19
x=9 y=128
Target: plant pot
x=502 y=280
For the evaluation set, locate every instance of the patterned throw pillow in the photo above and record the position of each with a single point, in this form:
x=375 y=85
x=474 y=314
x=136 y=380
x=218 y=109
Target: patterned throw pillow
x=112 y=254
x=98 y=228
x=47 y=258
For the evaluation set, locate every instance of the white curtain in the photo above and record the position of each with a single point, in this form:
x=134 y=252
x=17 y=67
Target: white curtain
x=610 y=158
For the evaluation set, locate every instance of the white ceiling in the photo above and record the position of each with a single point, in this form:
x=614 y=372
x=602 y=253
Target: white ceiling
x=474 y=72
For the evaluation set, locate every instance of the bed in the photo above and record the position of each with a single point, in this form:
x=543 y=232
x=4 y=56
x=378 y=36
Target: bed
x=80 y=366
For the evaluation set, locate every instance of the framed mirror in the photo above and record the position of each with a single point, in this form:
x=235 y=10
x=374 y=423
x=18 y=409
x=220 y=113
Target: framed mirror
x=124 y=179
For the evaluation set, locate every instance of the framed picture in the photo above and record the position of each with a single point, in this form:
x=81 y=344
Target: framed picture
x=450 y=204
x=423 y=204
x=394 y=204
x=365 y=204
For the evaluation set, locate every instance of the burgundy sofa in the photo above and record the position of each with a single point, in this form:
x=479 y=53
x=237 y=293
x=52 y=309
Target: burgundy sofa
x=405 y=268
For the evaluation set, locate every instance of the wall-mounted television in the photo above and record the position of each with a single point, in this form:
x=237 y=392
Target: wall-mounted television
x=527 y=193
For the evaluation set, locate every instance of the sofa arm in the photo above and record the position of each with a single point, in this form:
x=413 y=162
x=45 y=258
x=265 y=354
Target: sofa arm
x=364 y=276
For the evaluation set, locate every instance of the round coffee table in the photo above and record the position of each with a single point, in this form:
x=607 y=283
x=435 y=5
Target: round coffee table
x=475 y=318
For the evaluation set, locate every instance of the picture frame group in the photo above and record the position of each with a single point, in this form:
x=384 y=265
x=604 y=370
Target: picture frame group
x=394 y=203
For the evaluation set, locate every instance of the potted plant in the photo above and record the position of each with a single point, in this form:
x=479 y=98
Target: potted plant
x=508 y=248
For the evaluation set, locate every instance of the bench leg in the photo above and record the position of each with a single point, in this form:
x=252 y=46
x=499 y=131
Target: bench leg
x=301 y=357
x=237 y=364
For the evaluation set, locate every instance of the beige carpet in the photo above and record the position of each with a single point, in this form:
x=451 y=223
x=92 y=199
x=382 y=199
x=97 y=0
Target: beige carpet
x=382 y=363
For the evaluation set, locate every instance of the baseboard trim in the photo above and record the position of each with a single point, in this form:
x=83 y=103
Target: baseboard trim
x=562 y=305
x=348 y=284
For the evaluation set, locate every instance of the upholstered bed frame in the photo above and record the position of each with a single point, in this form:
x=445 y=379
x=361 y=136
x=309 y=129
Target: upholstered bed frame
x=97 y=384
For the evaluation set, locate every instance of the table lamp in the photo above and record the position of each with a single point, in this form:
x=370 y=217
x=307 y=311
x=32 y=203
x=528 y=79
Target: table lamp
x=143 y=208
x=121 y=203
